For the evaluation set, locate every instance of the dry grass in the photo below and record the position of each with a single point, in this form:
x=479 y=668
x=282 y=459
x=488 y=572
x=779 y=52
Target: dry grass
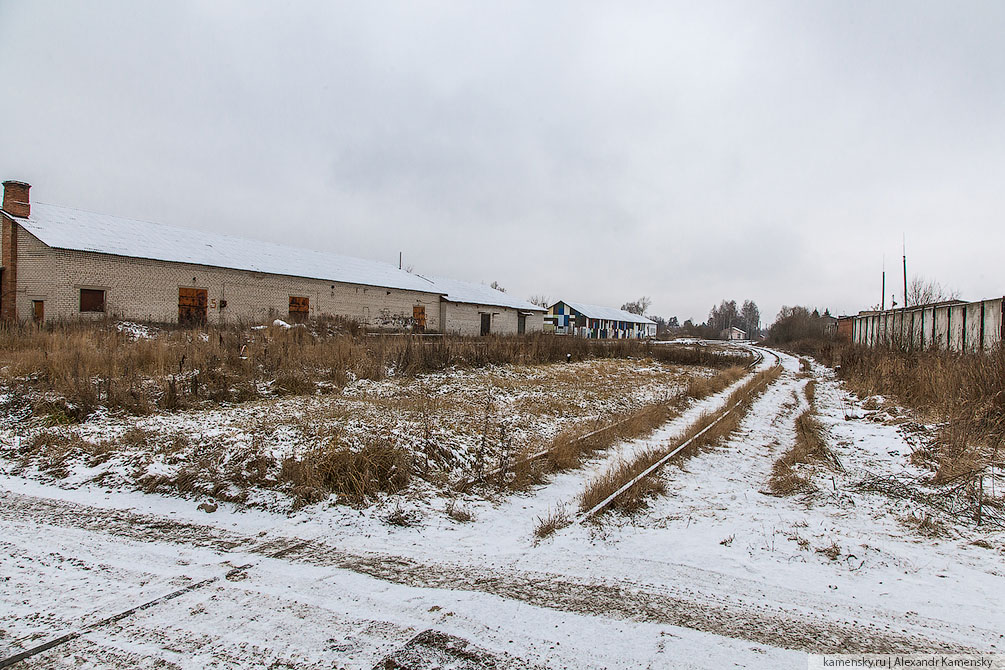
x=552 y=521
x=832 y=551
x=600 y=488
x=809 y=447
x=352 y=474
x=965 y=393
x=74 y=368
x=459 y=512
x=439 y=428
x=569 y=448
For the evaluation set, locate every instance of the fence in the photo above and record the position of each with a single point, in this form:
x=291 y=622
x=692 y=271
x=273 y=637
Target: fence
x=953 y=325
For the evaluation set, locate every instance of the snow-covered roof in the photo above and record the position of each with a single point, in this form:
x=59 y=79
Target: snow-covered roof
x=606 y=313
x=65 y=228
x=456 y=290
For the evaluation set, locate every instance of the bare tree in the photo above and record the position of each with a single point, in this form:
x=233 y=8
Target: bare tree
x=540 y=301
x=751 y=317
x=921 y=291
x=497 y=286
x=722 y=317
x=640 y=306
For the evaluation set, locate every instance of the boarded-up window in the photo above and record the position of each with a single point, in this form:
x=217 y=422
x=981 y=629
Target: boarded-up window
x=92 y=300
x=419 y=317
x=193 y=304
x=300 y=308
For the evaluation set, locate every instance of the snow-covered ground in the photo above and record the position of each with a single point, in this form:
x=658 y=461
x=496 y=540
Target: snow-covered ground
x=716 y=574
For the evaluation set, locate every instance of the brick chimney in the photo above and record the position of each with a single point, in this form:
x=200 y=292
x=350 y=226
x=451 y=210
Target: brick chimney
x=15 y=198
x=15 y=203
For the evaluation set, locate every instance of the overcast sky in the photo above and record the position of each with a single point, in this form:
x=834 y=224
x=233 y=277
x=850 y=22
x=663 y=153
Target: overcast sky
x=596 y=152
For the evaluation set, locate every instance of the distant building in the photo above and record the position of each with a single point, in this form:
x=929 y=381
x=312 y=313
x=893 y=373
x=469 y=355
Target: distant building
x=595 y=322
x=733 y=333
x=951 y=325
x=845 y=327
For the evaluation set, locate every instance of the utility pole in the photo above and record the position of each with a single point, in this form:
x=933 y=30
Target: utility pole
x=399 y=260
x=905 y=271
x=882 y=299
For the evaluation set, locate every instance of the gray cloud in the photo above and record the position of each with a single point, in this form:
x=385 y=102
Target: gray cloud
x=688 y=151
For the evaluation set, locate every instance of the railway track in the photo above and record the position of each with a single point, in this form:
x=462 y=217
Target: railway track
x=759 y=385
x=757 y=359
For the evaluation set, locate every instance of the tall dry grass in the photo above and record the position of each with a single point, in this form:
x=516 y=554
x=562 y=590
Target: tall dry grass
x=74 y=368
x=963 y=392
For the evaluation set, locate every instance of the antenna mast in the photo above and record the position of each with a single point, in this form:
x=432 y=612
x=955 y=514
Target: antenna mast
x=905 y=270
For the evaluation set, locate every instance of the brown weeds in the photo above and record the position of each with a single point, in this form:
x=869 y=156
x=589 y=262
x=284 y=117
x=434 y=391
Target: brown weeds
x=552 y=521
x=963 y=392
x=809 y=447
x=87 y=365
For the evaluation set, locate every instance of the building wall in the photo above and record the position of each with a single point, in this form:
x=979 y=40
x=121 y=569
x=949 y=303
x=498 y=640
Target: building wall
x=148 y=290
x=466 y=319
x=975 y=326
x=568 y=321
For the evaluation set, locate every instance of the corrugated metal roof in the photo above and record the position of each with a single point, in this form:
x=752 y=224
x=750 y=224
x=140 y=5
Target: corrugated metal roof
x=607 y=313
x=479 y=294
x=65 y=228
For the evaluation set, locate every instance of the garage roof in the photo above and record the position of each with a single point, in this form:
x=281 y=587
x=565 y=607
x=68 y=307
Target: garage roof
x=456 y=290
x=606 y=313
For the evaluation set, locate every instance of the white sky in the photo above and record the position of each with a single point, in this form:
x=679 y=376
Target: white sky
x=589 y=151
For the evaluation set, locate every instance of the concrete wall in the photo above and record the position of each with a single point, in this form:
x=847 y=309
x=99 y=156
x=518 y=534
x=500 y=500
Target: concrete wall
x=975 y=326
x=466 y=319
x=148 y=290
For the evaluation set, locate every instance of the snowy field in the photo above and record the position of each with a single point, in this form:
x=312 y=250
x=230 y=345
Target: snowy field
x=718 y=573
x=449 y=424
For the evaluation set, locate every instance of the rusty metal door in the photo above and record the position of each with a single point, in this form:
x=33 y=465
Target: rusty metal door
x=300 y=308
x=38 y=310
x=486 y=324
x=193 y=304
x=419 y=318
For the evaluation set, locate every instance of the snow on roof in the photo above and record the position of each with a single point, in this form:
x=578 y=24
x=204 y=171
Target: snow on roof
x=478 y=294
x=606 y=313
x=65 y=228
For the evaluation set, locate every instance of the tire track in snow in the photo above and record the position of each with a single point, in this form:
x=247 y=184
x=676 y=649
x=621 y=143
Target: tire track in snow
x=766 y=624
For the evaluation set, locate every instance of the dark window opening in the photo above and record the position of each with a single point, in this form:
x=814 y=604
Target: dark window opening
x=92 y=300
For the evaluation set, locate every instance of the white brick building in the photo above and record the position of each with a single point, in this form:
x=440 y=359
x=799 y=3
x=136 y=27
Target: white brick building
x=60 y=263
x=477 y=309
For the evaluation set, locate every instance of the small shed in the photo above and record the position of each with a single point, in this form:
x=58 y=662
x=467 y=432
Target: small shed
x=733 y=333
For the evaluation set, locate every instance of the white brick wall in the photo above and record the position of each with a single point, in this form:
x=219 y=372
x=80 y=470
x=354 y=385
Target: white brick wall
x=465 y=319
x=148 y=290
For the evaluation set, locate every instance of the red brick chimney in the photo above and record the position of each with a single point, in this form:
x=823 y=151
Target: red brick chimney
x=15 y=198
x=15 y=203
